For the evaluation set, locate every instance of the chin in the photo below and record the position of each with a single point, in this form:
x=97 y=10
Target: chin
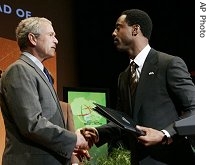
x=120 y=49
x=50 y=56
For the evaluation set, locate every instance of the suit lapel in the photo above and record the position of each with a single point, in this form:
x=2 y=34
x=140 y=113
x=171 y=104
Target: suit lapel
x=41 y=74
x=148 y=73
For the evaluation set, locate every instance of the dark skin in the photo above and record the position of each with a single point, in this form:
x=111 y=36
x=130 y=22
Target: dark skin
x=90 y=135
x=82 y=153
x=131 y=40
x=128 y=38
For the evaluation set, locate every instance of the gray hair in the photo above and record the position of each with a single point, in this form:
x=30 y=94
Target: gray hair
x=26 y=26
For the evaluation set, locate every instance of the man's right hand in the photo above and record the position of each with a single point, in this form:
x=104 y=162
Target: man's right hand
x=91 y=135
x=81 y=141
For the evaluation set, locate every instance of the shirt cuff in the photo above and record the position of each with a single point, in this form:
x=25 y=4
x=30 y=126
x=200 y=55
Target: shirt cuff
x=166 y=133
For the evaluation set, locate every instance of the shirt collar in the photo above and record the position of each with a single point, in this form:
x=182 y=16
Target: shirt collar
x=34 y=59
x=140 y=58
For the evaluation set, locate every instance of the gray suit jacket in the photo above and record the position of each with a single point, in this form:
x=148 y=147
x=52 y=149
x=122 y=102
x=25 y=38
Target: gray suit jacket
x=165 y=91
x=35 y=128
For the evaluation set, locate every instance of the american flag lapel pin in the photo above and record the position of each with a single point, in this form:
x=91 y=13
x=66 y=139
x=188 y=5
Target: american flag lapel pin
x=150 y=73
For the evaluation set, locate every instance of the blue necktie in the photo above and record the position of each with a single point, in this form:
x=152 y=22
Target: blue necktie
x=48 y=75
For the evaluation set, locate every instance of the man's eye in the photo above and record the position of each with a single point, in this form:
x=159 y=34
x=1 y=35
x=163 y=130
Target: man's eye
x=51 y=34
x=118 y=28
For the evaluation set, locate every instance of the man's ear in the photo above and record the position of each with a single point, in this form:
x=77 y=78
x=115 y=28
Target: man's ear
x=32 y=38
x=136 y=29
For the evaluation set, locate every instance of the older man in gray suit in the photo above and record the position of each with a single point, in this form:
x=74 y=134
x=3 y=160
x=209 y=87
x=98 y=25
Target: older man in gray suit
x=36 y=133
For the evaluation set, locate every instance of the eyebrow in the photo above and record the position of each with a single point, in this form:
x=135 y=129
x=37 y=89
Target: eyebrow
x=118 y=24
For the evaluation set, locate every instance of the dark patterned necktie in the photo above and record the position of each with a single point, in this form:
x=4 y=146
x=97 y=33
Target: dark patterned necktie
x=133 y=77
x=48 y=75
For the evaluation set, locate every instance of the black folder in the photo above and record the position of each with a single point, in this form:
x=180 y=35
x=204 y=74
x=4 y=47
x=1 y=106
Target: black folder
x=121 y=119
x=186 y=126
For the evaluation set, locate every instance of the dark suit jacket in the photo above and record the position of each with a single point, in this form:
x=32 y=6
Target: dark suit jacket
x=35 y=127
x=165 y=91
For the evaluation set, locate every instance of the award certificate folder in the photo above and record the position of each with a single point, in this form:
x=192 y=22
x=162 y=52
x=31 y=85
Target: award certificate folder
x=119 y=118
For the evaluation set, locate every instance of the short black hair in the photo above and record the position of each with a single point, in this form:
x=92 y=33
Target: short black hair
x=139 y=17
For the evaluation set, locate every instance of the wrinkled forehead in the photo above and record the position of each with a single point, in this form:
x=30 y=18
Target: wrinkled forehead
x=46 y=27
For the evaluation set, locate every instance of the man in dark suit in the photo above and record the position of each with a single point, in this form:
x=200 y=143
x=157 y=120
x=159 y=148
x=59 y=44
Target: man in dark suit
x=36 y=133
x=164 y=93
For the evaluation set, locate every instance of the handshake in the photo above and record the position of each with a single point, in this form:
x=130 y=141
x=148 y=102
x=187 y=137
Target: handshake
x=86 y=138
